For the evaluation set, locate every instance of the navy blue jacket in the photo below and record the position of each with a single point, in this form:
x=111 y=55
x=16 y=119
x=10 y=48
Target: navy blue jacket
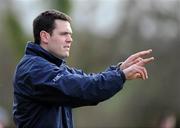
x=46 y=89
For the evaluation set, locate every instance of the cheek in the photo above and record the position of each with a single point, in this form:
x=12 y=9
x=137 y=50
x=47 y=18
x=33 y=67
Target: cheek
x=58 y=41
x=57 y=45
x=53 y=42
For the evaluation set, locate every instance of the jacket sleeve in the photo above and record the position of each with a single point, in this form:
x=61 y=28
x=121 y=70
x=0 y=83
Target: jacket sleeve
x=63 y=86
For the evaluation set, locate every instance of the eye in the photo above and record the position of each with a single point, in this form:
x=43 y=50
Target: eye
x=65 y=33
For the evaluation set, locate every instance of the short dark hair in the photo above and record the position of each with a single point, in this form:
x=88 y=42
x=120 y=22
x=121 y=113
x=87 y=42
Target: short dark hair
x=45 y=21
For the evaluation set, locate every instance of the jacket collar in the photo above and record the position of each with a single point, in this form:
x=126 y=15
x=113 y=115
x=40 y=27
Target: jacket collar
x=37 y=50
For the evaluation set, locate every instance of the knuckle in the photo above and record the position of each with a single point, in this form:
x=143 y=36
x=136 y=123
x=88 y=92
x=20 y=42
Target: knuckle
x=131 y=56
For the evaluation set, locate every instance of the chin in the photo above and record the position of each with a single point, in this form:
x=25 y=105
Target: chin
x=65 y=56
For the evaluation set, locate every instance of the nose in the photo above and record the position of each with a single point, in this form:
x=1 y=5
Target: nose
x=69 y=38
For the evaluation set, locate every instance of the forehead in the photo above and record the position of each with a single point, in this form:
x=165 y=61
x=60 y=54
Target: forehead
x=62 y=25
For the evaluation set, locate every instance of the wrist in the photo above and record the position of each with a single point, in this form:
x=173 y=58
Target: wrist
x=119 y=65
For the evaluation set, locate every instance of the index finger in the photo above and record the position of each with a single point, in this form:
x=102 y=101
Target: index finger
x=140 y=54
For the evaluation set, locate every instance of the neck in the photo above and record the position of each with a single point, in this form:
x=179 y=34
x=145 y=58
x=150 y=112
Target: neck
x=44 y=46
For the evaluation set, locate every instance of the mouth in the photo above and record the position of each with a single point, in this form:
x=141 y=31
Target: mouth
x=67 y=47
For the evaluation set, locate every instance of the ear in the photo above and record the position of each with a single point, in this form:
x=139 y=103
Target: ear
x=44 y=36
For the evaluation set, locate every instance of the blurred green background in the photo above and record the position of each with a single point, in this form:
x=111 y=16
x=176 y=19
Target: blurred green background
x=105 y=32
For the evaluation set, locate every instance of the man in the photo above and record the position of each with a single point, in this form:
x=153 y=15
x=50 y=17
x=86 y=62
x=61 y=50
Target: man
x=46 y=89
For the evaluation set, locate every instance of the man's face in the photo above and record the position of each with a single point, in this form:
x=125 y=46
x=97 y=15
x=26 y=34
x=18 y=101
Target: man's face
x=59 y=42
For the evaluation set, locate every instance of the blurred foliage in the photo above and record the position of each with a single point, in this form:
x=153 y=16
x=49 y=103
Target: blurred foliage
x=14 y=30
x=146 y=24
x=62 y=5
